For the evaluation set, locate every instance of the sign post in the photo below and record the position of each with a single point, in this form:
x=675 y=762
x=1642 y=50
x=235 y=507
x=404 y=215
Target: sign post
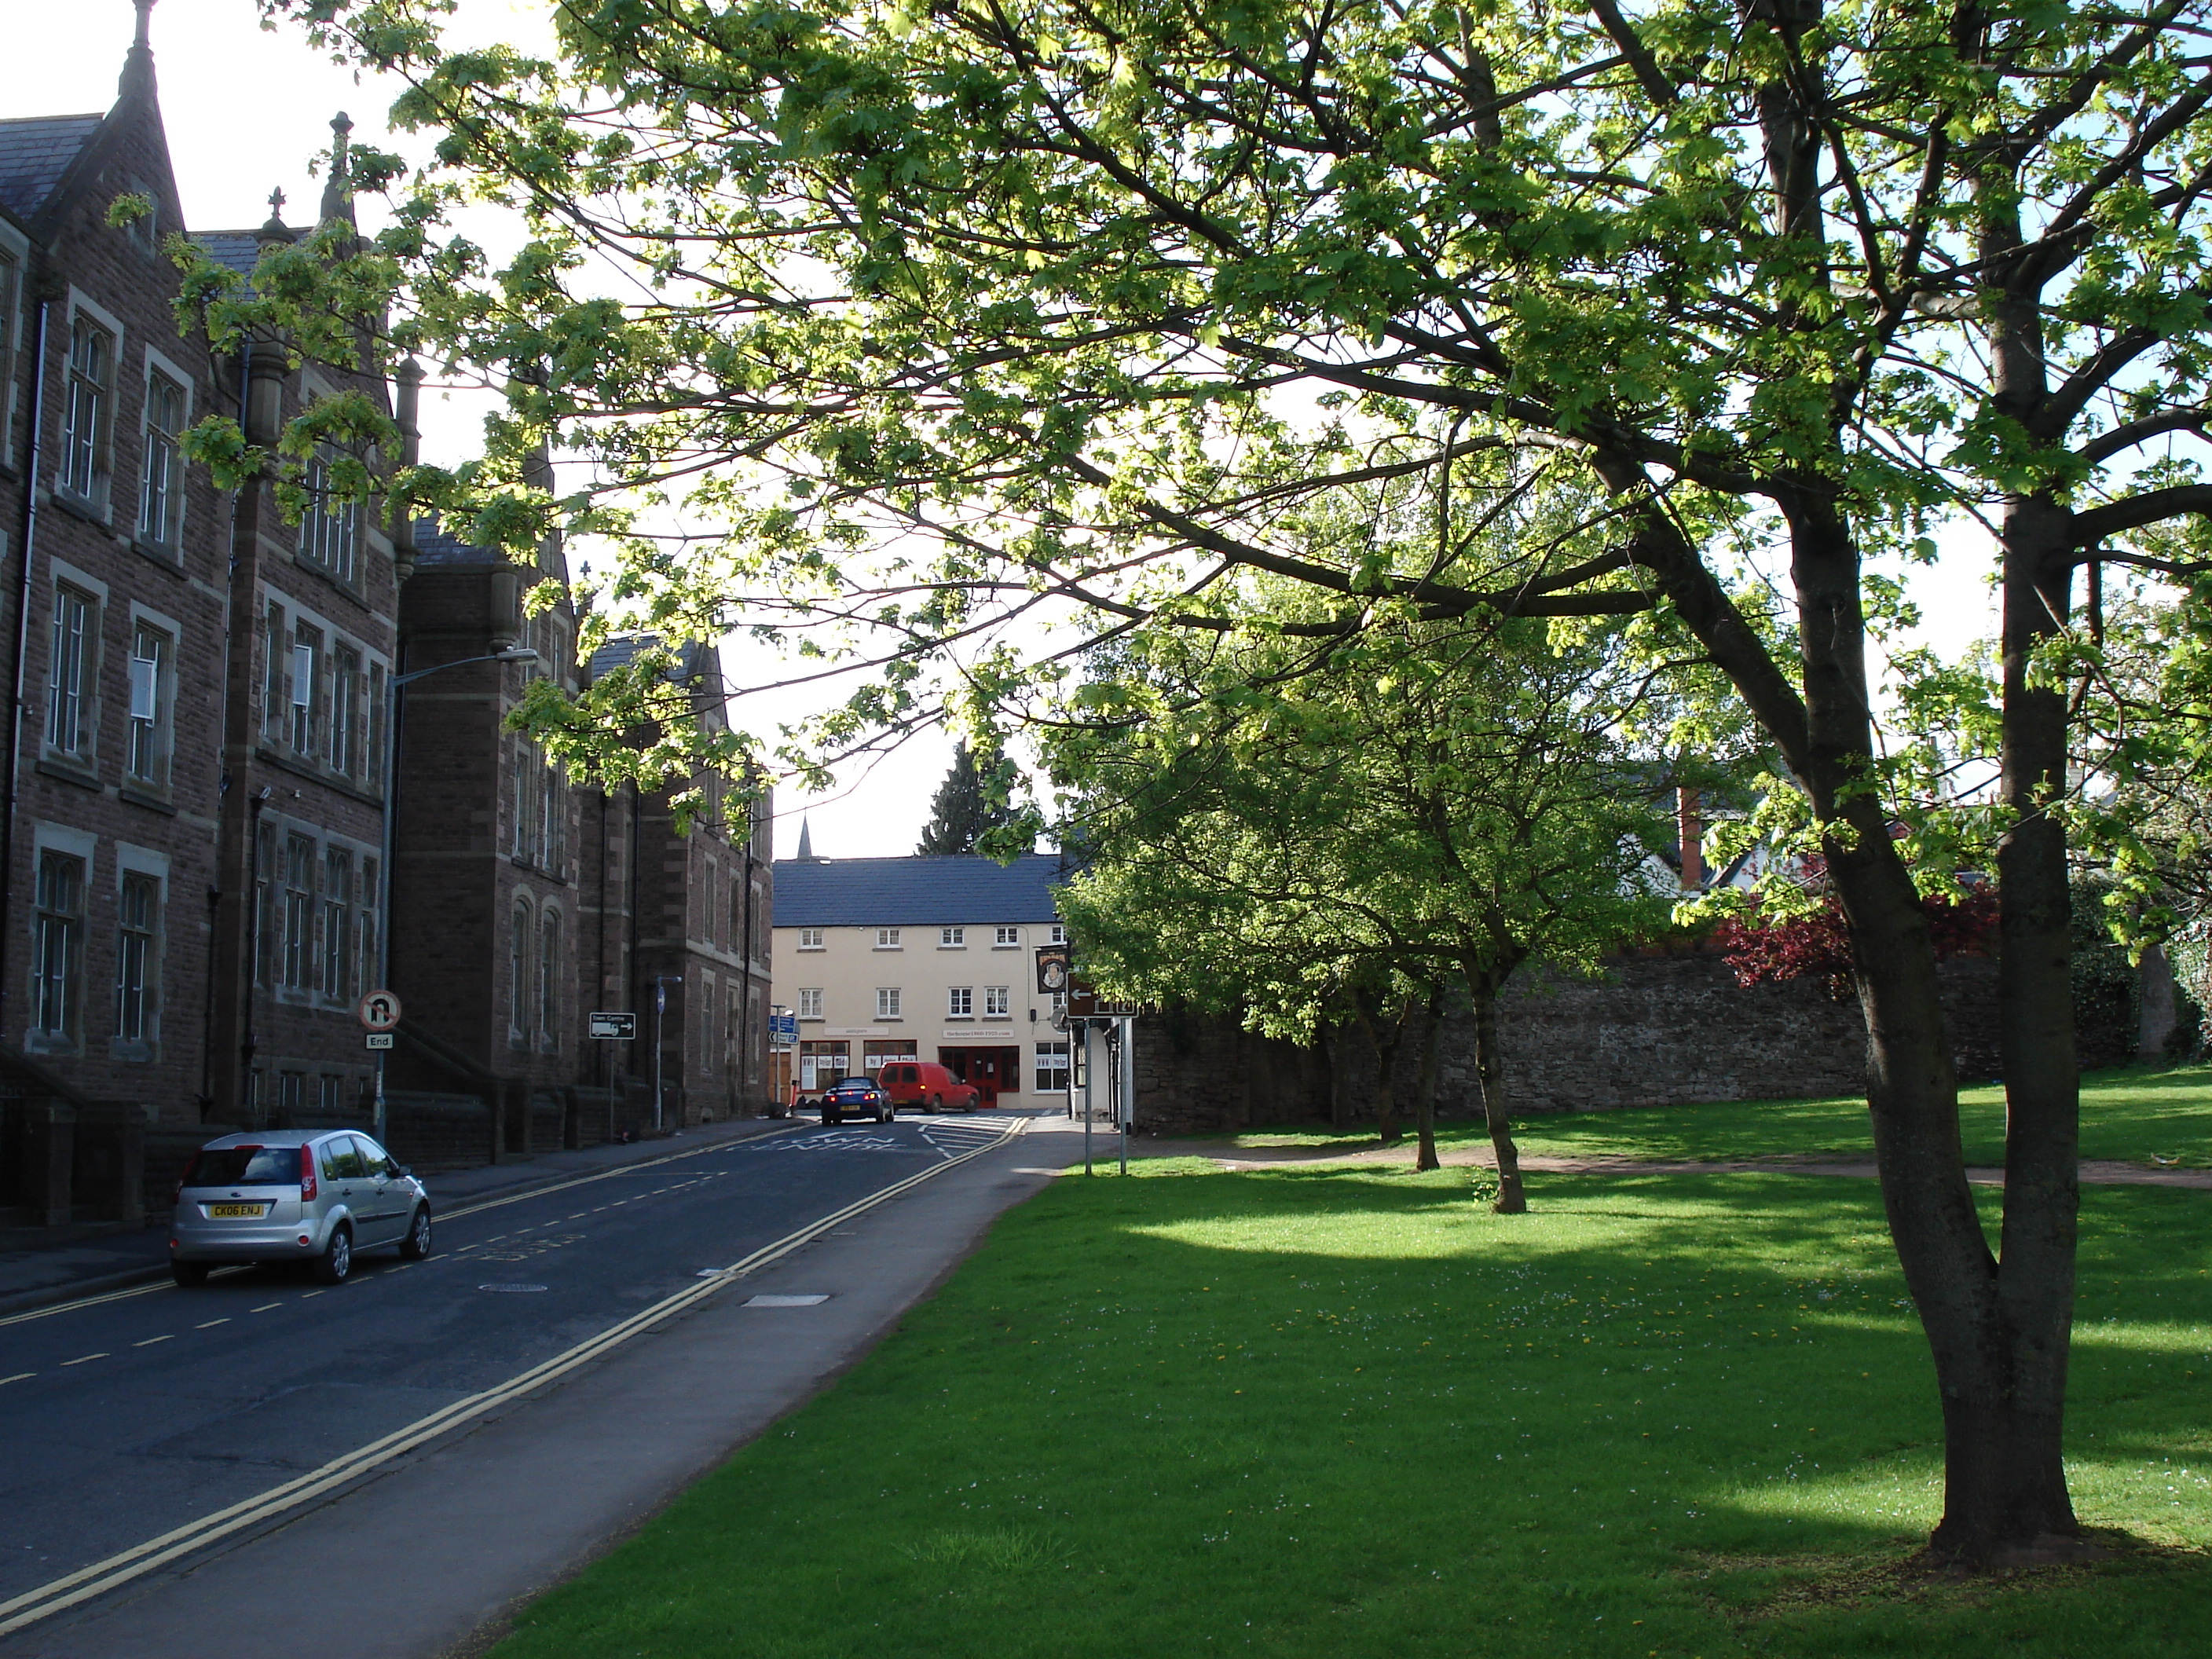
x=379 y=1013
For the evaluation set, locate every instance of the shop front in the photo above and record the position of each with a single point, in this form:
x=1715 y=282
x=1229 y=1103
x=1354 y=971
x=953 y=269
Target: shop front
x=994 y=1071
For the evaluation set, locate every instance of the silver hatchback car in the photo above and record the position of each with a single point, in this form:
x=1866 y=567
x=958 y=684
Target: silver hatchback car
x=316 y=1195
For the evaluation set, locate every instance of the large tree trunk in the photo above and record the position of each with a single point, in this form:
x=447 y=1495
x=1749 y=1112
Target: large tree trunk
x=2024 y=1495
x=1386 y=1073
x=1497 y=1110
x=1425 y=1102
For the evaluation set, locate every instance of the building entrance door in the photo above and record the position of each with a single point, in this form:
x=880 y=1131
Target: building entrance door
x=994 y=1071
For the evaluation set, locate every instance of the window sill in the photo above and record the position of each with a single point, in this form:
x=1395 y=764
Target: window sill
x=354 y=590
x=170 y=556
x=131 y=1053
x=62 y=770
x=1005 y=947
x=951 y=947
x=810 y=949
x=997 y=1019
x=147 y=798
x=889 y=947
x=49 y=1043
x=960 y=1019
x=77 y=507
x=313 y=774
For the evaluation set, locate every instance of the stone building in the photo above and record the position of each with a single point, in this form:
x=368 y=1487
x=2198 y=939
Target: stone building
x=192 y=767
x=193 y=863
x=679 y=929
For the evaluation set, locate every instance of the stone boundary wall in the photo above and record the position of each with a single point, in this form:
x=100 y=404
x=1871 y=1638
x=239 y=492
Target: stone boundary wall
x=1654 y=1029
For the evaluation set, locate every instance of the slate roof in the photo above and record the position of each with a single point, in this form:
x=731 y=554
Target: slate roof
x=239 y=249
x=623 y=651
x=35 y=151
x=963 y=888
x=433 y=545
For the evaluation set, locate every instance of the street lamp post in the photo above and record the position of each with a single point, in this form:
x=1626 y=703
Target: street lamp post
x=392 y=728
x=660 y=984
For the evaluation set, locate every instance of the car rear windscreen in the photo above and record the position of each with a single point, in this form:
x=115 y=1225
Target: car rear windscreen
x=245 y=1166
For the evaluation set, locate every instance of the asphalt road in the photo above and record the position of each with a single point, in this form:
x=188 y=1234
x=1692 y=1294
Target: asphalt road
x=126 y=1418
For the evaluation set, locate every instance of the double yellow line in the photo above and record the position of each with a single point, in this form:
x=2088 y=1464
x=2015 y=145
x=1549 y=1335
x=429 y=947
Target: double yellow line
x=101 y=1576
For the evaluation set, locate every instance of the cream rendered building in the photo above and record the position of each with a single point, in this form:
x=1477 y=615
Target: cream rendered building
x=921 y=958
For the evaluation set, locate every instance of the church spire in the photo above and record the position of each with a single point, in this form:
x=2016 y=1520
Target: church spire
x=806 y=840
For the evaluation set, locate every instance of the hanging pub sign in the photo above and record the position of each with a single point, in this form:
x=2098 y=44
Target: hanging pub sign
x=1052 y=969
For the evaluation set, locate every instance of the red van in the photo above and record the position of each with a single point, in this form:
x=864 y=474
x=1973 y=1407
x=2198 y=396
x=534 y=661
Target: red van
x=926 y=1084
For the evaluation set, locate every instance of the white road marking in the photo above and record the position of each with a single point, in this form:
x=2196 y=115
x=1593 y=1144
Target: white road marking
x=101 y=1577
x=84 y=1359
x=151 y=1340
x=19 y=1377
x=211 y=1324
x=264 y=1307
x=449 y=1215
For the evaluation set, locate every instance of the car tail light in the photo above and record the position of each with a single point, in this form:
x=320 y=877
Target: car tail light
x=185 y=1179
x=307 y=1174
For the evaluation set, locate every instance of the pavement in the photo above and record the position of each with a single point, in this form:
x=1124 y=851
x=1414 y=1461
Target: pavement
x=2094 y=1172
x=44 y=1264
x=426 y=1549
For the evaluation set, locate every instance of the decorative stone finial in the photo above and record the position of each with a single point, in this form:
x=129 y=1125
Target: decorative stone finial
x=338 y=184
x=276 y=230
x=137 y=76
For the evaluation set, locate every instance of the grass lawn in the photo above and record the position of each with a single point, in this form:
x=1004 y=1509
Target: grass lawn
x=2138 y=1115
x=1349 y=1412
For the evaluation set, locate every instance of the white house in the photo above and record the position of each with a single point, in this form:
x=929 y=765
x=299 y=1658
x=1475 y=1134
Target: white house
x=921 y=958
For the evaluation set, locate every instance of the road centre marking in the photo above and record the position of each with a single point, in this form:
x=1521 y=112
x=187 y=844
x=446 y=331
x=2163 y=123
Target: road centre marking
x=19 y=1377
x=151 y=1340
x=84 y=1359
x=444 y=1215
x=97 y=1579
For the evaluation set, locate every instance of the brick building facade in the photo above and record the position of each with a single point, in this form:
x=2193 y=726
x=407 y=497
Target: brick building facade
x=193 y=862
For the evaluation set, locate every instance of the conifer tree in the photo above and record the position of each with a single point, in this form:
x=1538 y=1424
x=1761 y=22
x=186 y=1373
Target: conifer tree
x=963 y=809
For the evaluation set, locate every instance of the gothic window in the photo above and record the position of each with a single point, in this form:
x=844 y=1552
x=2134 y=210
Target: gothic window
x=137 y=905
x=58 y=947
x=161 y=466
x=86 y=410
x=549 y=983
x=299 y=876
x=68 y=672
x=152 y=655
x=330 y=531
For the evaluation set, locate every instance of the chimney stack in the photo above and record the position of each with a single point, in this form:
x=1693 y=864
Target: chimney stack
x=1690 y=829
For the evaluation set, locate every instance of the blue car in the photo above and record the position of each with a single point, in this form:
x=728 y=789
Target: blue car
x=858 y=1095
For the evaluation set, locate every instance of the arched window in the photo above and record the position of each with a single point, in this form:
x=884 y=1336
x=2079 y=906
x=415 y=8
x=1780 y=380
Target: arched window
x=551 y=974
x=524 y=956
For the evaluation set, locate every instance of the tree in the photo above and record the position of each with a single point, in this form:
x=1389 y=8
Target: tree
x=1434 y=804
x=967 y=806
x=1104 y=309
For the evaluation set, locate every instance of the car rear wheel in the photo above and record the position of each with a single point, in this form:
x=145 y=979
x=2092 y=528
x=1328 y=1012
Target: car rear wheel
x=884 y=1113
x=830 y=1114
x=190 y=1275
x=937 y=1103
x=336 y=1261
x=416 y=1244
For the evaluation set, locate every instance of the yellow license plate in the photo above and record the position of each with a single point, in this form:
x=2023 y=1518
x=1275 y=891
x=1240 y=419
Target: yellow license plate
x=234 y=1211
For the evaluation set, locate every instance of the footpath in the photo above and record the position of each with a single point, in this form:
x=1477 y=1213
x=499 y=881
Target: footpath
x=2094 y=1172
x=40 y=1266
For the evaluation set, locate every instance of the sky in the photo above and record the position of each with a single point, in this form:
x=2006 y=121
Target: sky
x=248 y=109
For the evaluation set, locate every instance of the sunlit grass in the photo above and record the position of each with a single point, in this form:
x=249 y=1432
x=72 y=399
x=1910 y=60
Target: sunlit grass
x=2145 y=1115
x=1349 y=1411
